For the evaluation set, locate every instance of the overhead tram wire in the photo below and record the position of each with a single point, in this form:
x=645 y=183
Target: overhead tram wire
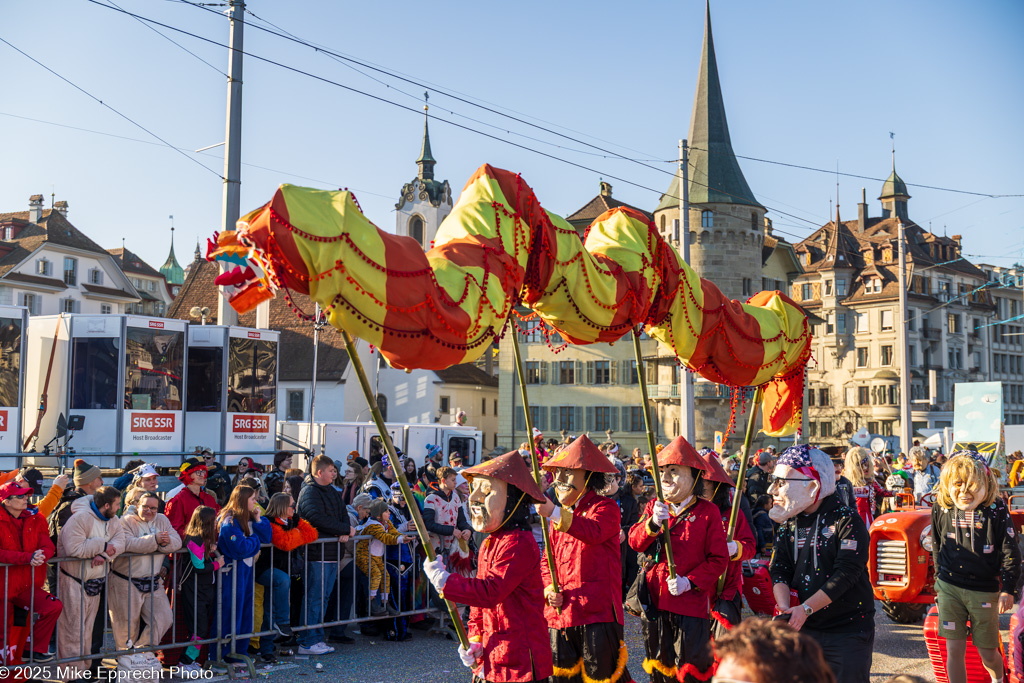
x=184 y=149
x=123 y=116
x=174 y=42
x=451 y=123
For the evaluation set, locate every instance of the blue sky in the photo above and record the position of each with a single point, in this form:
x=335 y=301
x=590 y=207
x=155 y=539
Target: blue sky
x=805 y=82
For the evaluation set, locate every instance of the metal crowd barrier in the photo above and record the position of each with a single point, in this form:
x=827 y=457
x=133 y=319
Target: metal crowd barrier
x=223 y=644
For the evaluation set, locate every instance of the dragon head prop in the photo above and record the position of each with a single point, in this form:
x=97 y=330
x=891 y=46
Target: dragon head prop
x=244 y=276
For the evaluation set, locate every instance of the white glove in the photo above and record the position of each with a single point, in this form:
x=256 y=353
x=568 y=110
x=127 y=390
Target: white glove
x=678 y=585
x=470 y=656
x=733 y=548
x=435 y=571
x=660 y=513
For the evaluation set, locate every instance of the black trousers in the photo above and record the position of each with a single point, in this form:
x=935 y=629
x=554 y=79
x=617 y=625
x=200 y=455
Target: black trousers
x=597 y=650
x=847 y=654
x=198 y=605
x=677 y=648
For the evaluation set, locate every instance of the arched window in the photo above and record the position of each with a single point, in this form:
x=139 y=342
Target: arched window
x=416 y=228
x=753 y=220
x=707 y=219
x=662 y=224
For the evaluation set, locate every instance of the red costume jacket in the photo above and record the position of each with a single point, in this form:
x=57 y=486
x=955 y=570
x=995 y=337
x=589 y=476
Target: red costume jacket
x=748 y=548
x=19 y=539
x=588 y=561
x=700 y=553
x=507 y=613
x=180 y=508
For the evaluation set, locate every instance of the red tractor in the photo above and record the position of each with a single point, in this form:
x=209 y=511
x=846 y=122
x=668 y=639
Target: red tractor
x=900 y=561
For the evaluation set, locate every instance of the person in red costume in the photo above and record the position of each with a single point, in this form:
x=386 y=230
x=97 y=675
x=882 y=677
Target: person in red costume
x=676 y=629
x=507 y=630
x=727 y=604
x=192 y=474
x=585 y=615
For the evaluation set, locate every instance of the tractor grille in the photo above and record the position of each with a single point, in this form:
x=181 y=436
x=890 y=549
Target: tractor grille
x=891 y=562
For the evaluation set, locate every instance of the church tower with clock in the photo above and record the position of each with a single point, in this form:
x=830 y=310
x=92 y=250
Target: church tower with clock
x=424 y=201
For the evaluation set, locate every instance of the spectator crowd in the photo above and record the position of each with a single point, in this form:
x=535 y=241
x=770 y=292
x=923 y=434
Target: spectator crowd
x=272 y=563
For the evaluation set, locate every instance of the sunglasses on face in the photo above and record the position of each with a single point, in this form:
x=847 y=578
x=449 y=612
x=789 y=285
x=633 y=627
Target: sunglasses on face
x=23 y=496
x=772 y=479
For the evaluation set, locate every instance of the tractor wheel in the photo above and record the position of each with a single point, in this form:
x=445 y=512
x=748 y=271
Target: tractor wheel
x=905 y=612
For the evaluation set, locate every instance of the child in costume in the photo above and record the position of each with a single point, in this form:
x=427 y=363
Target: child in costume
x=977 y=562
x=370 y=554
x=727 y=603
x=676 y=628
x=585 y=615
x=507 y=629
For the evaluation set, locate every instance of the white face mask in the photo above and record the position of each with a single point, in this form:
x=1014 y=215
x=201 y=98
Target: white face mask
x=676 y=482
x=792 y=492
x=965 y=497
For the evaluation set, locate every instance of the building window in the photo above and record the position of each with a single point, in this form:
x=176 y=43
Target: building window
x=43 y=267
x=805 y=292
x=863 y=396
x=748 y=287
x=911 y=320
x=830 y=323
x=634 y=376
x=636 y=419
x=531 y=335
x=911 y=356
x=862 y=322
x=566 y=372
x=753 y=220
x=105 y=309
x=416 y=229
x=602 y=372
x=823 y=397
x=70 y=271
x=446 y=405
x=533 y=371
x=956 y=359
x=840 y=287
x=842 y=323
x=296 y=404
x=602 y=418
x=33 y=302
x=96 y=276
x=495 y=407
x=862 y=357
x=953 y=323
x=887 y=320
x=662 y=225
x=68 y=305
x=707 y=219
x=828 y=287
x=887 y=355
x=483 y=406
x=567 y=418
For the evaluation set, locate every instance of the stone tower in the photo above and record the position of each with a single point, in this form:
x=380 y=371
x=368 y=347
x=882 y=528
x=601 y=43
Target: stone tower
x=727 y=227
x=424 y=202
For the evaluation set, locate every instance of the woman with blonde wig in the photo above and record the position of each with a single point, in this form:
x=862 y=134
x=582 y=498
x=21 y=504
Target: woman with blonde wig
x=977 y=562
x=860 y=470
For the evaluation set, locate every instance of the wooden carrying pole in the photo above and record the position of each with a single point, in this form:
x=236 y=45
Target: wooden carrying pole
x=410 y=501
x=656 y=474
x=734 y=513
x=548 y=553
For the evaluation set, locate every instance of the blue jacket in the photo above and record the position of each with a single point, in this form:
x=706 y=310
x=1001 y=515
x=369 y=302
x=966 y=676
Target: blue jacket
x=235 y=545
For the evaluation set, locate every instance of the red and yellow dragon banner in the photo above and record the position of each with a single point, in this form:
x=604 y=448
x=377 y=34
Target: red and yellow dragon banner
x=499 y=248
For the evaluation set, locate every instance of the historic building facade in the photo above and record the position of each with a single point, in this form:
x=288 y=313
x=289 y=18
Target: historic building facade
x=851 y=283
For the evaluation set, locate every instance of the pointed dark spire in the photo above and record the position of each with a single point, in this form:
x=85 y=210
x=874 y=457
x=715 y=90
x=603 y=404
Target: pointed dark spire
x=426 y=161
x=715 y=175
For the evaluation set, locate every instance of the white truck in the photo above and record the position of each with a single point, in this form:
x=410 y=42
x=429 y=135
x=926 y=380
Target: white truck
x=338 y=439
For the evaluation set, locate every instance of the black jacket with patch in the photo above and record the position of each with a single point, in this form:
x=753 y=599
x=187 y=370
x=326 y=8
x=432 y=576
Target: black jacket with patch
x=976 y=550
x=836 y=562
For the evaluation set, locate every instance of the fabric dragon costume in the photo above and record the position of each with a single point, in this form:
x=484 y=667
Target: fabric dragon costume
x=498 y=249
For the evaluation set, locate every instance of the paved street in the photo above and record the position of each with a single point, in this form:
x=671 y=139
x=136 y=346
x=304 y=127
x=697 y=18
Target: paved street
x=899 y=649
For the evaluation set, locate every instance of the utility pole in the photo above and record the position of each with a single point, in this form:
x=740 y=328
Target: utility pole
x=687 y=418
x=906 y=428
x=232 y=203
